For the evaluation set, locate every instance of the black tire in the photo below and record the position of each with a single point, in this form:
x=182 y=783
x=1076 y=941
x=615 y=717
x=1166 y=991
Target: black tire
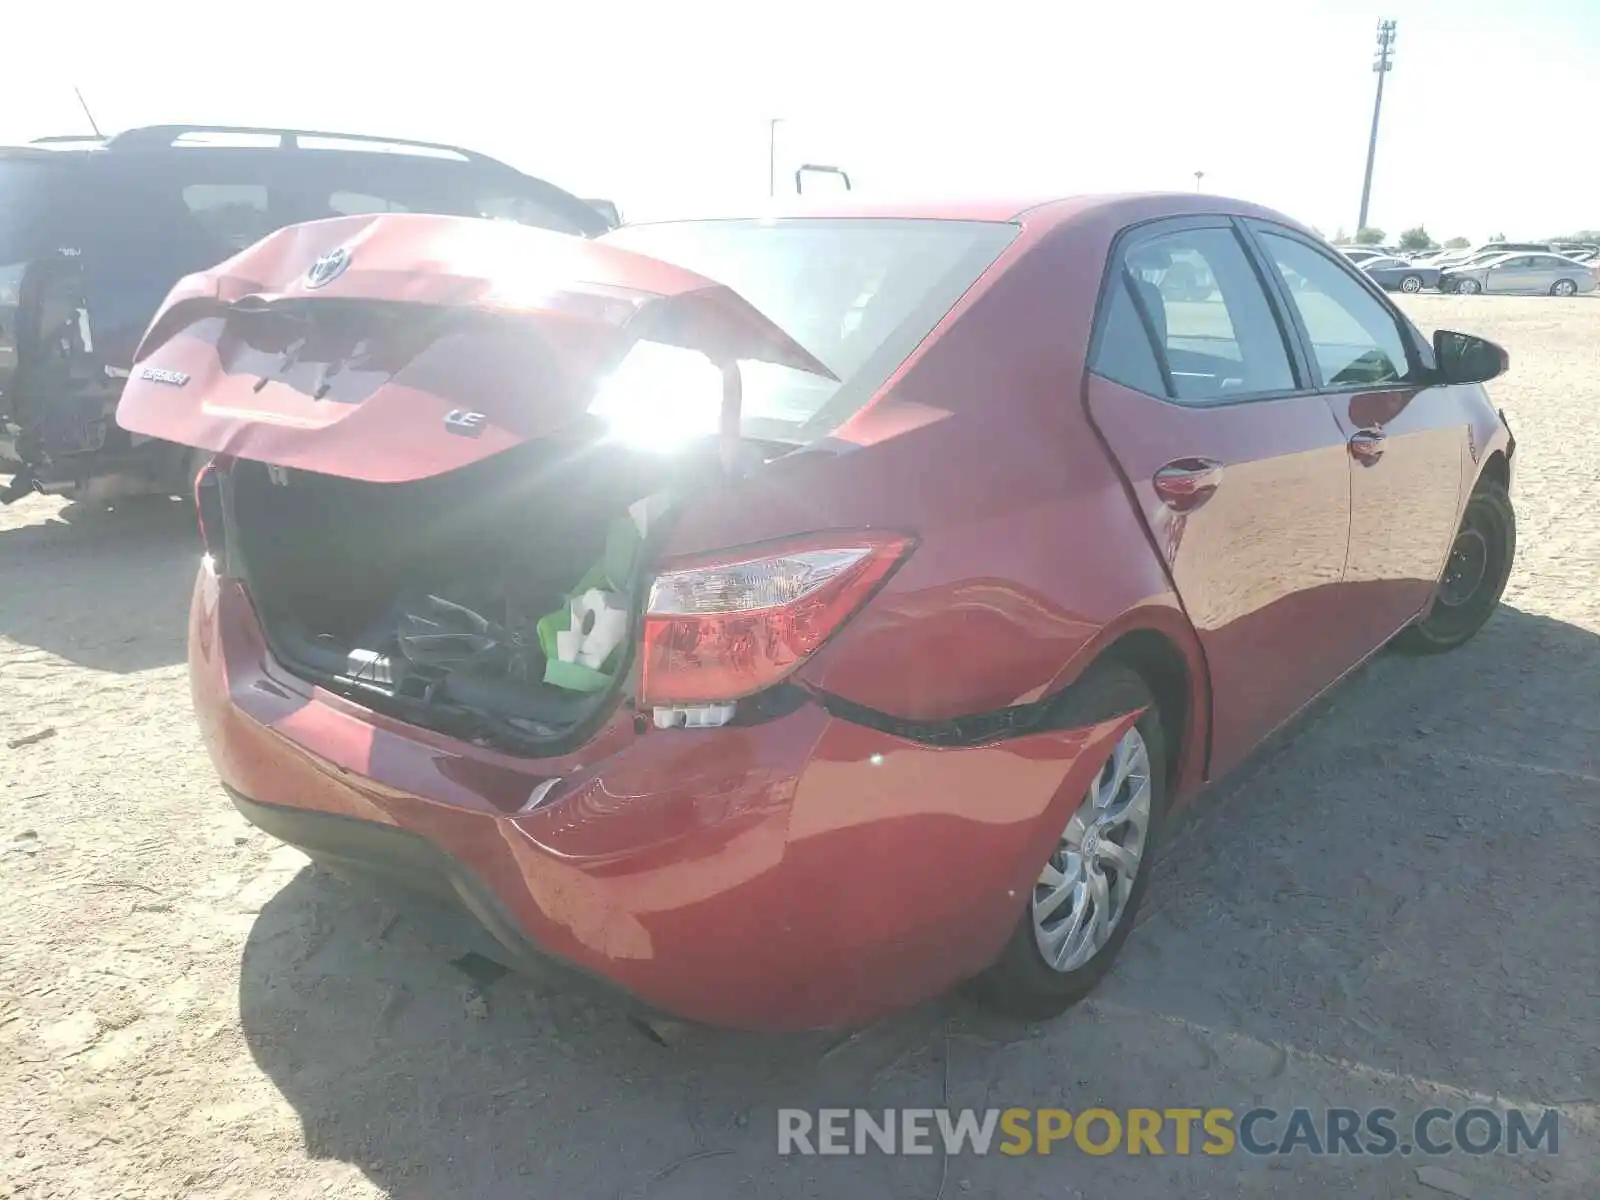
x=1468 y=287
x=1489 y=527
x=1411 y=284
x=1564 y=287
x=1021 y=983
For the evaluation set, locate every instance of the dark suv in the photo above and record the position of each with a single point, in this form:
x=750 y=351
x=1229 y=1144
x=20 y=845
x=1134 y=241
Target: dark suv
x=94 y=232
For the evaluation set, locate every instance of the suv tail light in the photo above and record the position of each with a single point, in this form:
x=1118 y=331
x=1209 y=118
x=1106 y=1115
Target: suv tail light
x=720 y=628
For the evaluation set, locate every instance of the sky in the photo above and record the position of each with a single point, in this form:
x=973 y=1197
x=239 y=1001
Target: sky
x=1488 y=114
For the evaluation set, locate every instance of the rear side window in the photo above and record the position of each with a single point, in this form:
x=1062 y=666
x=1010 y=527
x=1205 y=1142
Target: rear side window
x=1200 y=305
x=237 y=214
x=327 y=185
x=1354 y=339
x=1125 y=354
x=357 y=204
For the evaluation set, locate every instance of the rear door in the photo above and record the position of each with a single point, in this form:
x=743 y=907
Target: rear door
x=1237 y=464
x=1407 y=441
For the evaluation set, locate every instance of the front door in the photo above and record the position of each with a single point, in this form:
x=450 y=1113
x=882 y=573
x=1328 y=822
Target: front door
x=1239 y=468
x=1512 y=275
x=1406 y=442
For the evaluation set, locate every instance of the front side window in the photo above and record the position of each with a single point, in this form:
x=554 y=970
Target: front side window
x=1204 y=307
x=1354 y=339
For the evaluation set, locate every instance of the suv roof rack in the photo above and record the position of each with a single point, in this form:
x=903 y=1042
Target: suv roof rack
x=162 y=137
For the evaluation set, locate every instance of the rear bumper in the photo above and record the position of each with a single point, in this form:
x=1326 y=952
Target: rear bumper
x=799 y=873
x=386 y=856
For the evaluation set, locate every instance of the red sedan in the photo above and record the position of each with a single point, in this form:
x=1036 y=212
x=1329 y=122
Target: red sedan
x=786 y=619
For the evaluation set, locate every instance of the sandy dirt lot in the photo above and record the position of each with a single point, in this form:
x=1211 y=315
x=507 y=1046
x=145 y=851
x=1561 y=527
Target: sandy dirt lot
x=1394 y=906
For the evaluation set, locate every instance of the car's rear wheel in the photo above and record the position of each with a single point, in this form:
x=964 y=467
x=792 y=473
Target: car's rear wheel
x=1082 y=907
x=1563 y=287
x=1468 y=287
x=1411 y=283
x=1474 y=575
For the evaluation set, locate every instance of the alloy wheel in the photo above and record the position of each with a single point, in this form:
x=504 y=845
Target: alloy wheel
x=1082 y=893
x=1411 y=284
x=1564 y=287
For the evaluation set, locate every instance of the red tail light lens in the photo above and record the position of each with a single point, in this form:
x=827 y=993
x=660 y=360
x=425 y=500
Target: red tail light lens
x=715 y=631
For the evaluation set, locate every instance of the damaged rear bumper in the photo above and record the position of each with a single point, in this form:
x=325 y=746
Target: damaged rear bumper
x=800 y=872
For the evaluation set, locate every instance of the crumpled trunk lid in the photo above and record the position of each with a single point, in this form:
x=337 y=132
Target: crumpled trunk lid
x=398 y=346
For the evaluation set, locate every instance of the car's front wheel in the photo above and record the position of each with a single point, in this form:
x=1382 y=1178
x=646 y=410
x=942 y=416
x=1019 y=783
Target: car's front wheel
x=1082 y=906
x=1468 y=287
x=1563 y=287
x=1474 y=575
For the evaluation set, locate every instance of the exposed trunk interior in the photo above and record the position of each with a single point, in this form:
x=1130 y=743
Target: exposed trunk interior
x=423 y=597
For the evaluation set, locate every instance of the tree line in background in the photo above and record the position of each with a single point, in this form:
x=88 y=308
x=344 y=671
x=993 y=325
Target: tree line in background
x=1419 y=239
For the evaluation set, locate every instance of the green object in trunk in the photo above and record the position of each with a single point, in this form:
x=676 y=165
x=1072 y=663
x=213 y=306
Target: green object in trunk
x=611 y=574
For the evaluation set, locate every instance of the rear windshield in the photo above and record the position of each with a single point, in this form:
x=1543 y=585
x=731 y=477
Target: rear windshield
x=858 y=294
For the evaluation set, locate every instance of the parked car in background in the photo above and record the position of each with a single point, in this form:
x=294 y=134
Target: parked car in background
x=1493 y=248
x=1526 y=274
x=1398 y=275
x=1360 y=254
x=834 y=637
x=94 y=232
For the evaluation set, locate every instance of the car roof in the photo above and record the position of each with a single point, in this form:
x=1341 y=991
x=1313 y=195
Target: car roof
x=1036 y=214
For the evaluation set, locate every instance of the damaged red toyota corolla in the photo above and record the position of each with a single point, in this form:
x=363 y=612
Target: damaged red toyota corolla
x=787 y=619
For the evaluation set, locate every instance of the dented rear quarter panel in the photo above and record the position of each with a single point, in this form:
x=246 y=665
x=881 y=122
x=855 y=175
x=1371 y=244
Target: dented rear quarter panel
x=1031 y=559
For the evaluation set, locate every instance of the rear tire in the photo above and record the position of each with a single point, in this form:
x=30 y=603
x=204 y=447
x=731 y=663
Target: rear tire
x=1411 y=284
x=1022 y=983
x=1474 y=576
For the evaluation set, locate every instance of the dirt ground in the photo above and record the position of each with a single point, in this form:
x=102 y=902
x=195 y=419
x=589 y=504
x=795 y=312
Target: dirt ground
x=1394 y=906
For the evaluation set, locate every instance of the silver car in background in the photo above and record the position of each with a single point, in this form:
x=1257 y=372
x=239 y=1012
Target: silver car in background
x=1520 y=274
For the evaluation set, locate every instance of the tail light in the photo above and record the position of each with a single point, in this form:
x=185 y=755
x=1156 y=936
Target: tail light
x=722 y=628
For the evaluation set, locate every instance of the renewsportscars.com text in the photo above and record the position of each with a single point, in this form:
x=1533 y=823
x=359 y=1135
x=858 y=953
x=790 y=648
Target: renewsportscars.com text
x=1180 y=1131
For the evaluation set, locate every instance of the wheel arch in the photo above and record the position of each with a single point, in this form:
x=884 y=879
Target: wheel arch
x=1163 y=650
x=1498 y=468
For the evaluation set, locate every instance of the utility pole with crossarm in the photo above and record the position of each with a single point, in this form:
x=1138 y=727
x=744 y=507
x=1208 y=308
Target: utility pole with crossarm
x=1382 y=64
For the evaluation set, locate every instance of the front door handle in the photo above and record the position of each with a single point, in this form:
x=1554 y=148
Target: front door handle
x=1366 y=445
x=1187 y=483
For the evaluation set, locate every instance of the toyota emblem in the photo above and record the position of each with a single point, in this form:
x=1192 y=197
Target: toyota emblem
x=328 y=268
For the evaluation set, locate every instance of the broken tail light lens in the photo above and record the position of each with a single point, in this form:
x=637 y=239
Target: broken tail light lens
x=716 y=631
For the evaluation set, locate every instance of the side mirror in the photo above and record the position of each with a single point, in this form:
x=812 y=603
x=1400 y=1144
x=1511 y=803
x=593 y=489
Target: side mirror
x=1464 y=358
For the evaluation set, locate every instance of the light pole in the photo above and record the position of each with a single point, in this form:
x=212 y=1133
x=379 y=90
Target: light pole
x=1198 y=176
x=1381 y=65
x=772 y=155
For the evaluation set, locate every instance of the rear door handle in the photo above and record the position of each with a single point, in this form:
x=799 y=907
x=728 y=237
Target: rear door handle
x=1366 y=445
x=1187 y=483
